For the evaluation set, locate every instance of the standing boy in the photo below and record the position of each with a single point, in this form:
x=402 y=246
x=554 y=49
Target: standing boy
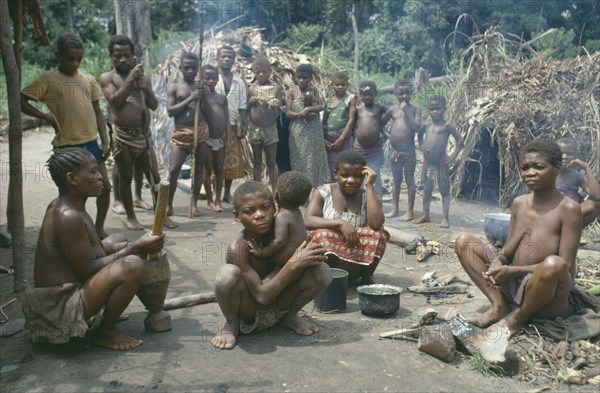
x=407 y=123
x=213 y=149
x=571 y=180
x=234 y=88
x=182 y=98
x=338 y=120
x=252 y=293
x=265 y=99
x=73 y=99
x=82 y=282
x=533 y=275
x=436 y=162
x=123 y=88
x=369 y=127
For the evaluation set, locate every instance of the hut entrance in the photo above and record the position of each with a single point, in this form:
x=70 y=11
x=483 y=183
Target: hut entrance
x=481 y=178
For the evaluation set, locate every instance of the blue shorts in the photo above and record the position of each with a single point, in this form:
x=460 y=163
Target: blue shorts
x=92 y=147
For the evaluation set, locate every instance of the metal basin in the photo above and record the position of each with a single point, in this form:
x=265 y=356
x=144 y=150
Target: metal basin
x=378 y=299
x=495 y=227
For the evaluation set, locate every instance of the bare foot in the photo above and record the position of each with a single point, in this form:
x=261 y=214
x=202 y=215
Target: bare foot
x=170 y=223
x=393 y=213
x=300 y=325
x=407 y=217
x=422 y=220
x=219 y=207
x=210 y=206
x=115 y=339
x=101 y=233
x=134 y=225
x=489 y=317
x=140 y=203
x=226 y=338
x=445 y=223
x=227 y=198
x=118 y=208
x=196 y=212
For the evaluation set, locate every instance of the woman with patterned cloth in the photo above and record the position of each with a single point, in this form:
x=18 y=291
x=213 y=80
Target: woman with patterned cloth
x=347 y=219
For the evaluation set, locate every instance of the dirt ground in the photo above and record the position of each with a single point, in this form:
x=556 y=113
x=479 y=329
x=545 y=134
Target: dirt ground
x=345 y=355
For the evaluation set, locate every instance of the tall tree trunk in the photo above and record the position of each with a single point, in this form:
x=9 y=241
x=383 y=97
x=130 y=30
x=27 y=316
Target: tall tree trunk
x=132 y=19
x=15 y=133
x=356 y=46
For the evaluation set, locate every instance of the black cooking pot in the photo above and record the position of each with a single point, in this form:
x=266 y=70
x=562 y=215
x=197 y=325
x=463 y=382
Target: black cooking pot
x=378 y=299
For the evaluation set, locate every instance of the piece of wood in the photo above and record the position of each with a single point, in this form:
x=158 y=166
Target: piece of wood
x=159 y=212
x=193 y=201
x=187 y=301
x=440 y=289
x=400 y=237
x=412 y=332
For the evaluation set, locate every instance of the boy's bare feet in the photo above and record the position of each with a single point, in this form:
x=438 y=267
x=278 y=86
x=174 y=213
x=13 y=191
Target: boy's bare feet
x=300 y=325
x=489 y=317
x=211 y=207
x=393 y=213
x=170 y=223
x=140 y=203
x=134 y=225
x=118 y=208
x=445 y=223
x=226 y=338
x=219 y=207
x=407 y=217
x=196 y=212
x=422 y=220
x=115 y=339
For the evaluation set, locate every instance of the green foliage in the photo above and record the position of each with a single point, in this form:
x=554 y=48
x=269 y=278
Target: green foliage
x=477 y=363
x=301 y=35
x=175 y=15
x=165 y=43
x=557 y=45
x=96 y=60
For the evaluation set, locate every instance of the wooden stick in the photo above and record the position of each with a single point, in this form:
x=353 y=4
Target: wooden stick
x=159 y=212
x=191 y=300
x=196 y=121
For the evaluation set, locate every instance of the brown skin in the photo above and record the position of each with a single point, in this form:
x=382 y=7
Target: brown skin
x=225 y=61
x=246 y=282
x=340 y=86
x=572 y=175
x=216 y=110
x=122 y=88
x=369 y=119
x=182 y=97
x=434 y=145
x=263 y=113
x=543 y=237
x=69 y=250
x=346 y=197
x=289 y=233
x=406 y=123
x=68 y=64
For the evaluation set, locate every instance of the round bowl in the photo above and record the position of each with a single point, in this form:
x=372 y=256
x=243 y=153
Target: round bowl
x=495 y=227
x=378 y=299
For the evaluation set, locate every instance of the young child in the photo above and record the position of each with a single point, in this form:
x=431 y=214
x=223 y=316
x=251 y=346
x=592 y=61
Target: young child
x=369 y=127
x=293 y=189
x=216 y=110
x=265 y=99
x=73 y=99
x=436 y=162
x=182 y=98
x=406 y=123
x=307 y=147
x=533 y=275
x=82 y=282
x=339 y=118
x=252 y=293
x=571 y=179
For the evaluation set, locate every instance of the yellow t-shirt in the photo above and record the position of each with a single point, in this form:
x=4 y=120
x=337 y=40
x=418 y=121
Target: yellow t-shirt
x=69 y=98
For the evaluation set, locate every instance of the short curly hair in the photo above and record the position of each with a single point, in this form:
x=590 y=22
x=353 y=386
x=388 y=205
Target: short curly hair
x=351 y=157
x=547 y=148
x=247 y=188
x=63 y=161
x=68 y=41
x=293 y=189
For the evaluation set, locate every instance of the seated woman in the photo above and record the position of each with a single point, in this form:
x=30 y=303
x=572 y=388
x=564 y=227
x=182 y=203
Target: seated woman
x=347 y=219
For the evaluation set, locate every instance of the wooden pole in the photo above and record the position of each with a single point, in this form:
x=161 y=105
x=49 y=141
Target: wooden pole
x=196 y=120
x=159 y=212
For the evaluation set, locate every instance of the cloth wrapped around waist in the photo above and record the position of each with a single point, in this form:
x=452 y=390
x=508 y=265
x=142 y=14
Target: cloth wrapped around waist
x=183 y=137
x=132 y=136
x=370 y=248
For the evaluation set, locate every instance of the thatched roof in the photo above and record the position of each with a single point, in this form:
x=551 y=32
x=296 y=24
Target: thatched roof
x=517 y=101
x=283 y=63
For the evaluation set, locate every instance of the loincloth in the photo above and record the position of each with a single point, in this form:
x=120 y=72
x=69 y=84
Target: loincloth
x=215 y=144
x=234 y=156
x=183 y=137
x=370 y=249
x=56 y=314
x=134 y=139
x=263 y=319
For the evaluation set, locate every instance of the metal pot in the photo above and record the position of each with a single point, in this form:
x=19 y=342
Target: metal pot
x=495 y=227
x=378 y=299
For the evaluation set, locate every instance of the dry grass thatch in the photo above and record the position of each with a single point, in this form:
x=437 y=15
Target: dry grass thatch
x=518 y=101
x=283 y=63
